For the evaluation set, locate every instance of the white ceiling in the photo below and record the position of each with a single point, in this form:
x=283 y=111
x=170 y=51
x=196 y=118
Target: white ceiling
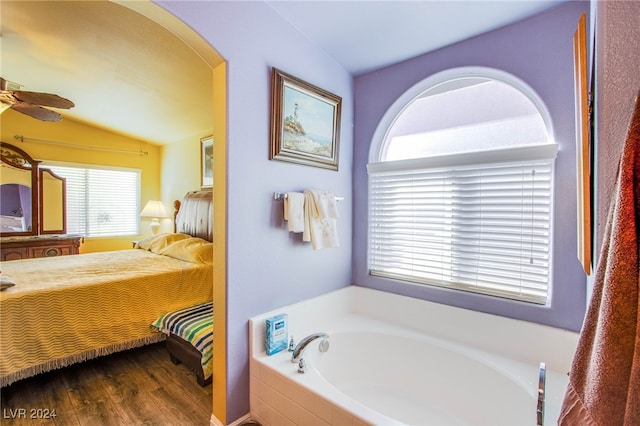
x=364 y=35
x=130 y=75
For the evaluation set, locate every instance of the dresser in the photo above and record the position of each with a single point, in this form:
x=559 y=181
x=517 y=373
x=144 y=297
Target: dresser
x=14 y=248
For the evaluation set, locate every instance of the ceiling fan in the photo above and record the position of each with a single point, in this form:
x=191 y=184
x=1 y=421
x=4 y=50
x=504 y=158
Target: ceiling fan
x=30 y=103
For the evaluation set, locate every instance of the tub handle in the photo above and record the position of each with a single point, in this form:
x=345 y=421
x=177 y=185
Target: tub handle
x=302 y=366
x=541 y=390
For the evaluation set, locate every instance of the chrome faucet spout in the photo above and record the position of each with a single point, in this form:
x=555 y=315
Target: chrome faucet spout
x=299 y=349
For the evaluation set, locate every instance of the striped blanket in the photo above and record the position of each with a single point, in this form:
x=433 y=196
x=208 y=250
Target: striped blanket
x=194 y=325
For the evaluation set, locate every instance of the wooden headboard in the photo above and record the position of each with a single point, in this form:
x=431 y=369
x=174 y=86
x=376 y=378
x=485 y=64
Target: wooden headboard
x=194 y=215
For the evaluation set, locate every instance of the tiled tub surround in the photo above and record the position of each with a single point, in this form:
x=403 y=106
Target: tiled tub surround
x=398 y=360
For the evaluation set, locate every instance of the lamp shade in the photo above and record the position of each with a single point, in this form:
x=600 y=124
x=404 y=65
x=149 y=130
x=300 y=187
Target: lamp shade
x=154 y=209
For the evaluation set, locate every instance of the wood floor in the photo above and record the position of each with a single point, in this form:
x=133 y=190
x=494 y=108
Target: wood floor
x=136 y=387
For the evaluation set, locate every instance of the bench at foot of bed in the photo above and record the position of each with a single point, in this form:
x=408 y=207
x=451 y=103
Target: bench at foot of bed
x=181 y=351
x=190 y=338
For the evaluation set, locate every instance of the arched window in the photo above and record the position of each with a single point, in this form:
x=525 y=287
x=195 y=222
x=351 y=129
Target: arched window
x=461 y=193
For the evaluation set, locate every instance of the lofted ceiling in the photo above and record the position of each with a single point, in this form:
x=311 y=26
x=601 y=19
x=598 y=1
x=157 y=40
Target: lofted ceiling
x=123 y=71
x=126 y=73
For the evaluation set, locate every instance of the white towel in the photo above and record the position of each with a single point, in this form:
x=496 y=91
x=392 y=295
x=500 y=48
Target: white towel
x=326 y=202
x=294 y=211
x=310 y=213
x=321 y=214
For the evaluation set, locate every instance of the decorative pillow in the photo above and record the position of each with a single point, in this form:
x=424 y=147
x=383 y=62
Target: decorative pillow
x=6 y=282
x=157 y=243
x=193 y=249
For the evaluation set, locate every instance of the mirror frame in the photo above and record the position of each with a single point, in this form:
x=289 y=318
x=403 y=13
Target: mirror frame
x=63 y=205
x=18 y=159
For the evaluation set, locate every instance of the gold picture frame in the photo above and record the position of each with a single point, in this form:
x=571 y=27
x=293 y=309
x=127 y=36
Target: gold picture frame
x=583 y=145
x=305 y=122
x=206 y=162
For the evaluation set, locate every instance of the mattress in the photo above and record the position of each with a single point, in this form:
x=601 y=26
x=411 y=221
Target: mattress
x=71 y=308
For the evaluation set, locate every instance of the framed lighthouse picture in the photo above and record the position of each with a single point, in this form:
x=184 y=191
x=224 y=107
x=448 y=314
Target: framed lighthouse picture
x=305 y=122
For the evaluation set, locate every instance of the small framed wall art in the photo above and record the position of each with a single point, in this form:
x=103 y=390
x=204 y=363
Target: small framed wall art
x=206 y=162
x=305 y=122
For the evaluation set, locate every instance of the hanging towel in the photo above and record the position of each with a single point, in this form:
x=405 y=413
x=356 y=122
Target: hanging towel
x=311 y=213
x=604 y=382
x=326 y=202
x=321 y=214
x=294 y=211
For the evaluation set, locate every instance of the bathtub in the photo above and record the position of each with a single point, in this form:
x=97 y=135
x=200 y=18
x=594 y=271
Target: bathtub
x=395 y=360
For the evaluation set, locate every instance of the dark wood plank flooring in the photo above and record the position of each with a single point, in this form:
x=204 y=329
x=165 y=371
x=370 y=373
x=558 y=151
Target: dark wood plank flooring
x=136 y=387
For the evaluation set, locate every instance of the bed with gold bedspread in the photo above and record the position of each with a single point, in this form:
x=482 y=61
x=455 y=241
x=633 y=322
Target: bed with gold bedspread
x=68 y=309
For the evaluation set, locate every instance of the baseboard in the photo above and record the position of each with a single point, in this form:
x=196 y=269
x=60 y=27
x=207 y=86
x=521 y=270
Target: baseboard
x=215 y=422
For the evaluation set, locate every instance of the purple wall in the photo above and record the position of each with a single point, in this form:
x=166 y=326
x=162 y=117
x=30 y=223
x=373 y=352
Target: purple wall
x=538 y=51
x=267 y=267
x=10 y=195
x=16 y=198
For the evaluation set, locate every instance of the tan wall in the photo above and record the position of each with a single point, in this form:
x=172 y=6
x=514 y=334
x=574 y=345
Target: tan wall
x=76 y=133
x=181 y=167
x=617 y=84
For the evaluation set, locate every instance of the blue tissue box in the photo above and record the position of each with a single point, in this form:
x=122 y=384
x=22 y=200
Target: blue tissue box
x=277 y=333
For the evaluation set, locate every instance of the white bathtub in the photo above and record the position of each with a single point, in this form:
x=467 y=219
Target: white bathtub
x=396 y=360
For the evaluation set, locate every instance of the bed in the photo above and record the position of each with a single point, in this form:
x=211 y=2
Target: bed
x=68 y=309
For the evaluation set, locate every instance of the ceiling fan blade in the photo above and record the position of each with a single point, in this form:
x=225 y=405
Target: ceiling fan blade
x=45 y=99
x=36 y=111
x=8 y=85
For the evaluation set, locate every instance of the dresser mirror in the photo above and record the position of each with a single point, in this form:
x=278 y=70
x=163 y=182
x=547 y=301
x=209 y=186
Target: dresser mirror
x=32 y=199
x=52 y=202
x=18 y=192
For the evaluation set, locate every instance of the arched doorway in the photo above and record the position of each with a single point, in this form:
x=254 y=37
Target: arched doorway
x=219 y=96
x=50 y=42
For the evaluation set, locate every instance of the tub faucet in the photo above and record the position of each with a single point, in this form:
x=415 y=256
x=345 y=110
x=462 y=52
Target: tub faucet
x=541 y=391
x=299 y=349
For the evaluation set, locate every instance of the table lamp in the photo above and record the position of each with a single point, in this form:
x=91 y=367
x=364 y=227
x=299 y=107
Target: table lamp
x=154 y=209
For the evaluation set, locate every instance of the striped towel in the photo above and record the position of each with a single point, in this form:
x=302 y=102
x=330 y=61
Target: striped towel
x=194 y=325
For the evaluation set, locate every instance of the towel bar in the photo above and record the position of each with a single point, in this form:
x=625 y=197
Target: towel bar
x=280 y=196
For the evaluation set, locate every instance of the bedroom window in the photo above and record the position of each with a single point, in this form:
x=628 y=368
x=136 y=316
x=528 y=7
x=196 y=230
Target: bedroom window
x=460 y=196
x=101 y=202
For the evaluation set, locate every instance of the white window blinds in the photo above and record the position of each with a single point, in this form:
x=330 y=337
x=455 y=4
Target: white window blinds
x=478 y=222
x=101 y=202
